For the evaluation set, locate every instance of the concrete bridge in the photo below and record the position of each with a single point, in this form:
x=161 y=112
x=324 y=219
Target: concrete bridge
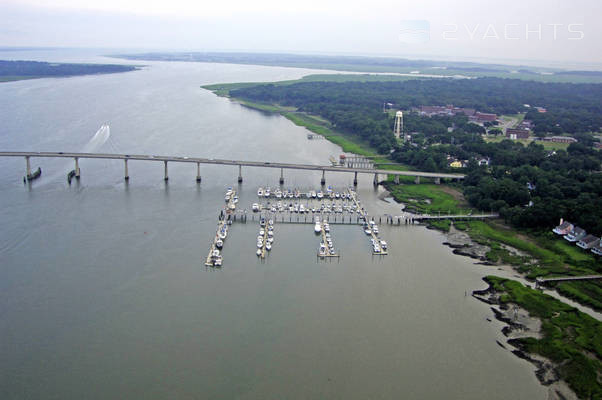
x=240 y=163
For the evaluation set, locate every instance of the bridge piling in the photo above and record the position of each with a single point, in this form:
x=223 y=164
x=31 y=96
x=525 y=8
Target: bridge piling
x=355 y=179
x=198 y=172
x=77 y=168
x=166 y=176
x=323 y=180
x=28 y=166
x=239 y=173
x=375 y=182
x=126 y=175
x=282 y=176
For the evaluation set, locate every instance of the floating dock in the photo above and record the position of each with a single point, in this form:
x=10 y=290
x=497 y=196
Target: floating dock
x=214 y=258
x=365 y=217
x=326 y=254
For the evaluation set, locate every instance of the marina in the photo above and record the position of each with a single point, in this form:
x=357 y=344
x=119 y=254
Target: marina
x=293 y=206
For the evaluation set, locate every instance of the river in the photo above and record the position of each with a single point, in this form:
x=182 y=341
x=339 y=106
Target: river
x=103 y=291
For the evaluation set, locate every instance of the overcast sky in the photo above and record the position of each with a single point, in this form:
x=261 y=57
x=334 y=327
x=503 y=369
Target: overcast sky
x=545 y=31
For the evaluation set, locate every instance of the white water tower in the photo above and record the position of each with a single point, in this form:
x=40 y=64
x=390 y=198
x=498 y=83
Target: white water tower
x=398 y=129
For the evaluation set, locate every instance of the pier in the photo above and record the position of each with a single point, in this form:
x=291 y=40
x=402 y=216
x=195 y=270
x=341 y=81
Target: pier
x=214 y=258
x=364 y=169
x=377 y=246
x=326 y=247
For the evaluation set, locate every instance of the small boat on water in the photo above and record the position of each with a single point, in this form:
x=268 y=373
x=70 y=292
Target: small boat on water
x=219 y=243
x=268 y=246
x=367 y=231
x=255 y=207
x=260 y=192
x=383 y=245
x=317 y=227
x=258 y=252
x=217 y=261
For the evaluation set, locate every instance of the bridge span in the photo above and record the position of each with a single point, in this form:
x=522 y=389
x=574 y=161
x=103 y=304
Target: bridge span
x=240 y=163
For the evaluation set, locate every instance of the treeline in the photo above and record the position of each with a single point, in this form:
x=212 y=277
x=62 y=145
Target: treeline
x=38 y=68
x=533 y=188
x=528 y=185
x=571 y=107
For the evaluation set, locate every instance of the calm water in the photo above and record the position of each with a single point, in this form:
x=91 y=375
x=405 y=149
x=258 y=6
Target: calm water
x=103 y=291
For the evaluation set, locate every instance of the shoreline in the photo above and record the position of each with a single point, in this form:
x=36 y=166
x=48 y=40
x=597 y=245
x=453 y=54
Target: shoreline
x=548 y=373
x=519 y=324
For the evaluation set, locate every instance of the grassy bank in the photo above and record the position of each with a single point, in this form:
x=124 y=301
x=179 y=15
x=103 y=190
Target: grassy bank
x=570 y=338
x=540 y=256
x=428 y=198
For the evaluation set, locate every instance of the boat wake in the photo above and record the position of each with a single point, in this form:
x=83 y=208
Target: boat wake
x=100 y=137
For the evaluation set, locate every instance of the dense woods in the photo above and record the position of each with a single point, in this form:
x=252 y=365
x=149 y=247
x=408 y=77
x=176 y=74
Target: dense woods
x=530 y=186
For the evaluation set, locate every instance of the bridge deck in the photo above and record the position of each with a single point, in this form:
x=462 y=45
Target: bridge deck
x=311 y=167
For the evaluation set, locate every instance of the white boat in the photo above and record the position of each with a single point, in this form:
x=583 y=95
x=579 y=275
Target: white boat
x=215 y=253
x=260 y=244
x=326 y=227
x=383 y=244
x=258 y=252
x=368 y=231
x=219 y=243
x=260 y=192
x=320 y=195
x=317 y=227
x=261 y=232
x=255 y=207
x=268 y=246
x=271 y=239
x=217 y=261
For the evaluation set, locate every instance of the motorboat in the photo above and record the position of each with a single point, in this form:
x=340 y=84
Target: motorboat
x=255 y=207
x=219 y=243
x=268 y=246
x=260 y=192
x=217 y=261
x=383 y=245
x=258 y=252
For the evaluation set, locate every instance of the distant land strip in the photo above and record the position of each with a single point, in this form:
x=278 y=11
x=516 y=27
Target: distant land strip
x=19 y=70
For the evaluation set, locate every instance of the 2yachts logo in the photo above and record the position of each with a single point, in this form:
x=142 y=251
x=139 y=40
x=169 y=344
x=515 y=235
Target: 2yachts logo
x=419 y=31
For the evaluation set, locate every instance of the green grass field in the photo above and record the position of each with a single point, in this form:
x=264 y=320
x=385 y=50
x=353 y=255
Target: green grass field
x=526 y=142
x=426 y=198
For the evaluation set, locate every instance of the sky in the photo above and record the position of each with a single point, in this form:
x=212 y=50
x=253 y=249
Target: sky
x=545 y=32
